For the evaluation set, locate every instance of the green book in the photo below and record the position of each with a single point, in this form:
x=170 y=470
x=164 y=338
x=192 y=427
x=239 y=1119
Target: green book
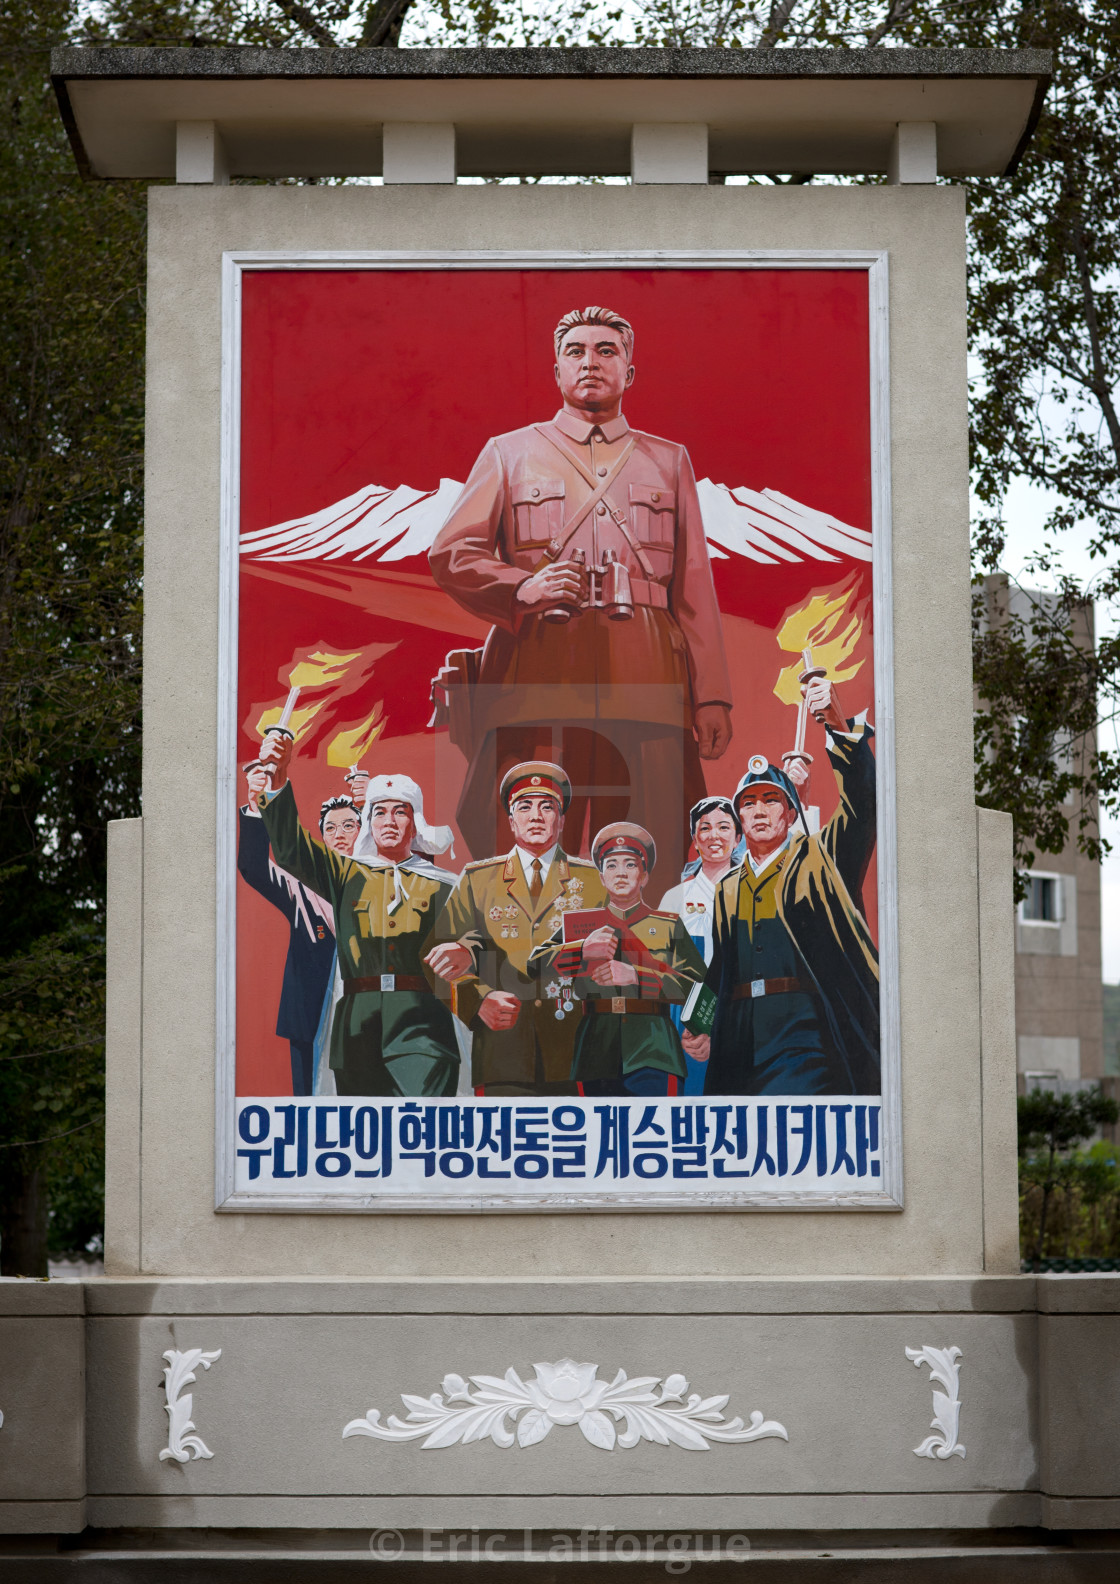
x=699 y=1011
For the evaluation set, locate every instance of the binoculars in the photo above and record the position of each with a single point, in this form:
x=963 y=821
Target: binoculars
x=606 y=587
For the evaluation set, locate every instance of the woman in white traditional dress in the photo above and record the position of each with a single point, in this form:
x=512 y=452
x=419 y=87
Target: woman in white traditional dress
x=717 y=837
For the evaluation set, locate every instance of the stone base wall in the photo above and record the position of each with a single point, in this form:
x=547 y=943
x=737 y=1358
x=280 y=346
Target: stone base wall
x=847 y=1407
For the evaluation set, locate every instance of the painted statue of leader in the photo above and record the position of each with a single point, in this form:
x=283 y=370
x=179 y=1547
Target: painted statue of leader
x=581 y=540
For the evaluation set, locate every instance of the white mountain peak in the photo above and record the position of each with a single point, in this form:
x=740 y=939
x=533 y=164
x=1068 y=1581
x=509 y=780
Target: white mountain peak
x=383 y=524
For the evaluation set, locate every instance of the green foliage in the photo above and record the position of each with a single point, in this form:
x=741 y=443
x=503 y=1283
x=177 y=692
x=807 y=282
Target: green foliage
x=1111 y=996
x=52 y=1025
x=1055 y=1123
x=1045 y=316
x=71 y=414
x=1050 y=1126
x=1083 y=1219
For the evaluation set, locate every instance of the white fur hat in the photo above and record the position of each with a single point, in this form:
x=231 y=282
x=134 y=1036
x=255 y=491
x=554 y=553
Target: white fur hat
x=429 y=839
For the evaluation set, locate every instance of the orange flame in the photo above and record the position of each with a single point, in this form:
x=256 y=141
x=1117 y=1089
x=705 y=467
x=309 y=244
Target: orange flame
x=298 y=724
x=827 y=626
x=335 y=688
x=350 y=746
x=319 y=669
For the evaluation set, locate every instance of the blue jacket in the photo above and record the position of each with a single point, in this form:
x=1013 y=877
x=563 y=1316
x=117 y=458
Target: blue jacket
x=310 y=960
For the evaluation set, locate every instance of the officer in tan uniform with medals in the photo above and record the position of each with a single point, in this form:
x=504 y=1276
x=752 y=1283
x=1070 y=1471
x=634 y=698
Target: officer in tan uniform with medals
x=630 y=966
x=391 y=1033
x=501 y=909
x=581 y=540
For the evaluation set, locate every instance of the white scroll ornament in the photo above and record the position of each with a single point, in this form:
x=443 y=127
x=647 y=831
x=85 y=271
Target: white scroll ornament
x=565 y=1393
x=179 y=1373
x=943 y=1367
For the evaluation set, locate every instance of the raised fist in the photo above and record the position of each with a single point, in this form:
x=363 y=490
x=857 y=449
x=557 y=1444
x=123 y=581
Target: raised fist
x=275 y=755
x=256 y=779
x=820 y=697
x=358 y=783
x=796 y=766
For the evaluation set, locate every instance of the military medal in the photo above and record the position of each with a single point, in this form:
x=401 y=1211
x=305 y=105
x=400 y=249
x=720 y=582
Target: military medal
x=561 y=993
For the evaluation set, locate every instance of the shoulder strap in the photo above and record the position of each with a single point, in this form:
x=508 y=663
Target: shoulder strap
x=601 y=486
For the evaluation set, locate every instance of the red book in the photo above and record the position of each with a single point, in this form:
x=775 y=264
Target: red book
x=582 y=922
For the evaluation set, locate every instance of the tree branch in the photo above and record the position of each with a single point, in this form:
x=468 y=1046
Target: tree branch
x=780 y=11
x=308 y=21
x=1100 y=385
x=896 y=12
x=382 y=27
x=50 y=1138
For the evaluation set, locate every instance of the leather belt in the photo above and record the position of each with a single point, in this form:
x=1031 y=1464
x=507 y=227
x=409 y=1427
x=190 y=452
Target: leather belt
x=642 y=592
x=416 y=983
x=649 y=593
x=766 y=987
x=624 y=1004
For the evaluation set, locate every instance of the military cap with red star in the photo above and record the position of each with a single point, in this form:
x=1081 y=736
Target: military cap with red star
x=623 y=837
x=536 y=778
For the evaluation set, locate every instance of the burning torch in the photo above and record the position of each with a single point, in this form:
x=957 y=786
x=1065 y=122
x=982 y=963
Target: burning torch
x=282 y=728
x=810 y=672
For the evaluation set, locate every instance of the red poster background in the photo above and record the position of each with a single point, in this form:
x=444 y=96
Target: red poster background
x=390 y=377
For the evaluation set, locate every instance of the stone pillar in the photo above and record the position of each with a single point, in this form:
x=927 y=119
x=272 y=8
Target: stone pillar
x=663 y=152
x=199 y=154
x=417 y=152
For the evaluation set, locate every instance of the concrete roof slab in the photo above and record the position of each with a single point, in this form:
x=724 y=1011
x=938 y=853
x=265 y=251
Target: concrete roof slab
x=546 y=111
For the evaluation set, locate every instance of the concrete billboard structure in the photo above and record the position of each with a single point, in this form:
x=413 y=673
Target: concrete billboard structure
x=805 y=1266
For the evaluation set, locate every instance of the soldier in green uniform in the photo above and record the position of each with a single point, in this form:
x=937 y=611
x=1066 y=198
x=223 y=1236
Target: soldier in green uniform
x=391 y=1033
x=629 y=965
x=499 y=912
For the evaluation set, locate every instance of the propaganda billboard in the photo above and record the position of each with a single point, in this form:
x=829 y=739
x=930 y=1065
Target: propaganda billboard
x=556 y=857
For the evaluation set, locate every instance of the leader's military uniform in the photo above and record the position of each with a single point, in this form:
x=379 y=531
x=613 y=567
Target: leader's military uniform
x=613 y=698
x=626 y=1042
x=491 y=912
x=391 y=1033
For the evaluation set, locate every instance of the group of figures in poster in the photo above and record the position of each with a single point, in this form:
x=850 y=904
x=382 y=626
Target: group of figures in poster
x=665 y=940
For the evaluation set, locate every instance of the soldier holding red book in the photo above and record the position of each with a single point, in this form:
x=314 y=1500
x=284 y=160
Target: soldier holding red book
x=628 y=965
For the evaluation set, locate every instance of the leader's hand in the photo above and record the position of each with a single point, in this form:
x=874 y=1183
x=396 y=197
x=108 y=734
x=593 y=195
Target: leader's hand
x=451 y=961
x=358 y=783
x=499 y=1010
x=557 y=584
x=698 y=1046
x=614 y=973
x=275 y=754
x=712 y=729
x=600 y=945
x=823 y=705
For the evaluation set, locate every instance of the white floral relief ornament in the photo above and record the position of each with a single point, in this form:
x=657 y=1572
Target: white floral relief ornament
x=943 y=1368
x=566 y=1393
x=179 y=1373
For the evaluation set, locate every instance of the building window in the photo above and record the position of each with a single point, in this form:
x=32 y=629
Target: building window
x=1043 y=901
